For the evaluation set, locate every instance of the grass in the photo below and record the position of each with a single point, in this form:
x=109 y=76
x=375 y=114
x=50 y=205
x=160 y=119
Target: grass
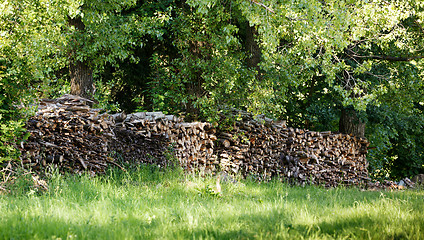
x=150 y=204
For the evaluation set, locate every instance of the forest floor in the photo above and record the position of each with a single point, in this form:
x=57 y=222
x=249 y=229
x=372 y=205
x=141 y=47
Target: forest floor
x=146 y=203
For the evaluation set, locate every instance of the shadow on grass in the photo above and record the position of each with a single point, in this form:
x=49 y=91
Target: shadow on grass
x=256 y=225
x=364 y=227
x=125 y=228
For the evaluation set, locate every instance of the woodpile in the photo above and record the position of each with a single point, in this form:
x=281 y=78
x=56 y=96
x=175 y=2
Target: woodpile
x=403 y=184
x=191 y=143
x=66 y=132
x=73 y=137
x=260 y=147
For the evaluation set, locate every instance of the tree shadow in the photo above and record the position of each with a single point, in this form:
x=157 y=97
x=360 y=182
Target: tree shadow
x=363 y=227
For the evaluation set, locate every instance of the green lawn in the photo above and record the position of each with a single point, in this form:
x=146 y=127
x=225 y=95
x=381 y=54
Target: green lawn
x=148 y=204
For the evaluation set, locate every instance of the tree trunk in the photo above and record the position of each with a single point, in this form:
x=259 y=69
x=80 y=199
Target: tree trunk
x=81 y=79
x=253 y=48
x=80 y=73
x=351 y=124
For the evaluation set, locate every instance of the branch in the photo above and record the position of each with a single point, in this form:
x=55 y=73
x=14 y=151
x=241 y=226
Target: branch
x=354 y=54
x=390 y=58
x=114 y=163
x=419 y=26
x=262 y=5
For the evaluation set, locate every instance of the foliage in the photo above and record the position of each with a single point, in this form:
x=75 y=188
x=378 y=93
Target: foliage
x=396 y=128
x=37 y=44
x=207 y=72
x=208 y=191
x=40 y=34
x=11 y=132
x=319 y=57
x=398 y=143
x=12 y=93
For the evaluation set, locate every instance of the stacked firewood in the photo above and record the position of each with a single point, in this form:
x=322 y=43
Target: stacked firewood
x=190 y=143
x=257 y=146
x=264 y=148
x=68 y=133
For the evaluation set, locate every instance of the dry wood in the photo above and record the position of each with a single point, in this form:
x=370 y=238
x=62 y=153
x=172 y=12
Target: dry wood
x=67 y=133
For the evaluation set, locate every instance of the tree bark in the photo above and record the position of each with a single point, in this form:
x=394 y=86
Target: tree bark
x=80 y=73
x=252 y=47
x=81 y=79
x=351 y=124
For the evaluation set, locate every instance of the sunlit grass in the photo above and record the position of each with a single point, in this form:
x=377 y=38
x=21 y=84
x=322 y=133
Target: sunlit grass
x=149 y=204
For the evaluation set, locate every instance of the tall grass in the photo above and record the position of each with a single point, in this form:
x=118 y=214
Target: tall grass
x=151 y=204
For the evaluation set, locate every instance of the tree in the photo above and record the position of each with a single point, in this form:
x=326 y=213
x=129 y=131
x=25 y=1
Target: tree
x=40 y=39
x=352 y=53
x=98 y=34
x=81 y=36
x=81 y=74
x=203 y=70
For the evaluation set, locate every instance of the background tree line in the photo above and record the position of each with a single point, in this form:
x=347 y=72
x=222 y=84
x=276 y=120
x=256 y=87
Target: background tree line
x=350 y=66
